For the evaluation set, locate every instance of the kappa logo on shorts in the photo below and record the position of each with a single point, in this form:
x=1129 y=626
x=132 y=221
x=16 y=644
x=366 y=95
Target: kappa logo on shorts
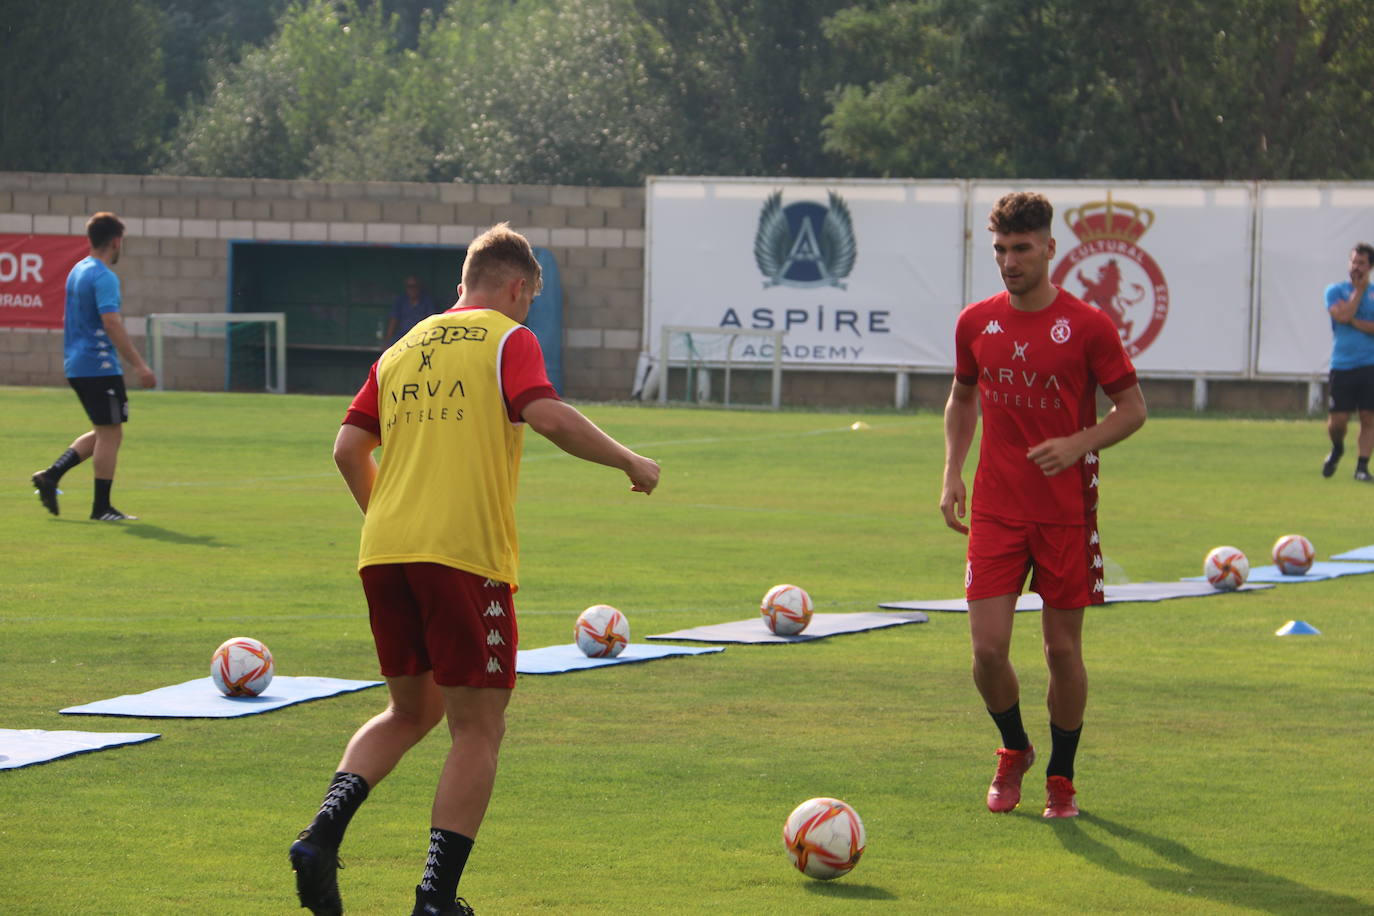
x=1097 y=586
x=491 y=583
x=494 y=666
x=1094 y=539
x=1093 y=483
x=1097 y=564
x=494 y=638
x=494 y=610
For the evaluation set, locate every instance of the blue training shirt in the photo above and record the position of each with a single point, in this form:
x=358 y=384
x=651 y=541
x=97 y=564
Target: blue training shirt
x=1351 y=348
x=92 y=290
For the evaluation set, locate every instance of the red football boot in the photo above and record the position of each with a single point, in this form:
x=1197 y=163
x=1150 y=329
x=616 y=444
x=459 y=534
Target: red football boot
x=1005 y=792
x=1059 y=801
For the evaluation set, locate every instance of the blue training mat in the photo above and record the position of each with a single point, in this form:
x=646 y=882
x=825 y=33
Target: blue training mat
x=200 y=699
x=22 y=747
x=1113 y=594
x=821 y=625
x=1319 y=572
x=1359 y=553
x=560 y=659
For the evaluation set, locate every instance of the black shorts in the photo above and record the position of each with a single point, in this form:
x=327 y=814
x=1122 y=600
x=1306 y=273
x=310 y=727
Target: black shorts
x=104 y=397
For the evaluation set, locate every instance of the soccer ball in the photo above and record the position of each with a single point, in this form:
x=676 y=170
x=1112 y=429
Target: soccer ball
x=786 y=609
x=824 y=837
x=1293 y=554
x=1226 y=568
x=241 y=667
x=601 y=631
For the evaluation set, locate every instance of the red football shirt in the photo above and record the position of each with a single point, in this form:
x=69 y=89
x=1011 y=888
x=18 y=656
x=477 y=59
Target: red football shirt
x=1037 y=375
x=523 y=381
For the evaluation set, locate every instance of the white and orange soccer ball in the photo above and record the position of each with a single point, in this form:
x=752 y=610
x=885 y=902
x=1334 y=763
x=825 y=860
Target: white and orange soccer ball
x=824 y=838
x=1226 y=568
x=601 y=631
x=786 y=609
x=1293 y=555
x=242 y=667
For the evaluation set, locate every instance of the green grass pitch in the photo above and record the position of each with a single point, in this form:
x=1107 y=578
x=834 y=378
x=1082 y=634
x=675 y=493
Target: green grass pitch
x=1223 y=769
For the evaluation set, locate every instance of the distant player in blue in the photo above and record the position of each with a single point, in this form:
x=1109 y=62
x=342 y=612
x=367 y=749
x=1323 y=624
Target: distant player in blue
x=94 y=339
x=410 y=307
x=1351 y=307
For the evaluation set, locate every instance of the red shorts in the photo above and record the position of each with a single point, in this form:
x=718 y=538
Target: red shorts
x=1066 y=560
x=430 y=617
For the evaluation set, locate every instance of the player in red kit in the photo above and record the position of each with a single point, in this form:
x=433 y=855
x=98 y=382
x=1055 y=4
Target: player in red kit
x=1033 y=357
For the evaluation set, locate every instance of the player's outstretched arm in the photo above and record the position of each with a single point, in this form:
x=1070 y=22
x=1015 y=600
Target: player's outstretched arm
x=566 y=427
x=353 y=448
x=961 y=420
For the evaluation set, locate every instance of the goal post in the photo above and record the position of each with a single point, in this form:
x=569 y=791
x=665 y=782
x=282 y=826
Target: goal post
x=702 y=350
x=163 y=325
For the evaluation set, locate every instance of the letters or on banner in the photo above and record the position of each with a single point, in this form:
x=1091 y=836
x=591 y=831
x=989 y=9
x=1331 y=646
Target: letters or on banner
x=33 y=278
x=858 y=273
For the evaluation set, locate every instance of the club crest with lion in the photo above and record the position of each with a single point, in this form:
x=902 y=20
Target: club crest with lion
x=1110 y=270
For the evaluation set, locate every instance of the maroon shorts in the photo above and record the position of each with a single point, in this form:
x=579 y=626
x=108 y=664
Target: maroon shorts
x=1066 y=561
x=430 y=617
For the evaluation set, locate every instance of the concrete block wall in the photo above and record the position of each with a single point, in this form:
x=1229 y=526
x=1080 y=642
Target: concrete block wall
x=178 y=231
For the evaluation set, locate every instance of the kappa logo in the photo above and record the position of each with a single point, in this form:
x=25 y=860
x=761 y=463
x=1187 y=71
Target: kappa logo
x=491 y=583
x=1113 y=272
x=804 y=244
x=993 y=327
x=494 y=638
x=1019 y=350
x=1097 y=586
x=1097 y=561
x=1093 y=539
x=1060 y=332
x=1090 y=458
x=1093 y=483
x=494 y=666
x=494 y=610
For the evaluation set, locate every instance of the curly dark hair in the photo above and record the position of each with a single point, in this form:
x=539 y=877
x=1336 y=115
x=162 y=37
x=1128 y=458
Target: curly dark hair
x=1365 y=249
x=1021 y=211
x=103 y=228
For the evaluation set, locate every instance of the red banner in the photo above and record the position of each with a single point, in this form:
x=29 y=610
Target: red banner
x=33 y=278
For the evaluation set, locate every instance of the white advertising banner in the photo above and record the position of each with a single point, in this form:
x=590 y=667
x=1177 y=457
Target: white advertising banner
x=1306 y=234
x=857 y=273
x=1169 y=262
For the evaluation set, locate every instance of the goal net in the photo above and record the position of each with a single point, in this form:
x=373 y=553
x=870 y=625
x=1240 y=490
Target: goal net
x=733 y=367
x=230 y=351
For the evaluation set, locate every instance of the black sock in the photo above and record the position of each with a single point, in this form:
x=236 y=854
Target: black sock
x=448 y=853
x=1065 y=747
x=1362 y=464
x=1337 y=449
x=1014 y=737
x=64 y=463
x=346 y=794
x=102 y=496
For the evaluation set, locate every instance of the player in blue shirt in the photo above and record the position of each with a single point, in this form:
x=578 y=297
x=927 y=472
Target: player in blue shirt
x=94 y=339
x=1351 y=307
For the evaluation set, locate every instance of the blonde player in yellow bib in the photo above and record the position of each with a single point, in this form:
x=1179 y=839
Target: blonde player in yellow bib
x=439 y=557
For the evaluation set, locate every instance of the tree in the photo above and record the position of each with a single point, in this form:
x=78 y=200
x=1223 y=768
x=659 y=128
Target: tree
x=1197 y=89
x=318 y=84
x=80 y=86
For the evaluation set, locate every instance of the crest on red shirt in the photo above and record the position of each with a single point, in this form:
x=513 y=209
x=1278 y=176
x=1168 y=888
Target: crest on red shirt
x=1110 y=270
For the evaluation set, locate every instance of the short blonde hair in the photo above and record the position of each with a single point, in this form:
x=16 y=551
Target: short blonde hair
x=497 y=253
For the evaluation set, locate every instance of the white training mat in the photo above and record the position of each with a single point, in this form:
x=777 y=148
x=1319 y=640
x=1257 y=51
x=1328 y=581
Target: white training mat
x=562 y=659
x=1359 y=553
x=1319 y=572
x=22 y=747
x=200 y=699
x=1114 y=594
x=821 y=626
